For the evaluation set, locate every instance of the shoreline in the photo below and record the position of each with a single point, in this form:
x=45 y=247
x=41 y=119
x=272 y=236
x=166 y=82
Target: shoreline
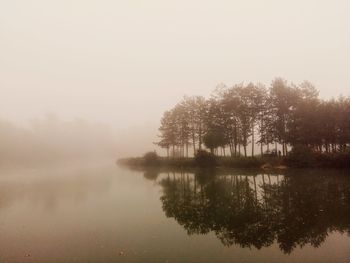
x=245 y=163
x=261 y=163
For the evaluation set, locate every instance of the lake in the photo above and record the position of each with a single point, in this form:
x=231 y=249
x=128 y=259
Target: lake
x=105 y=213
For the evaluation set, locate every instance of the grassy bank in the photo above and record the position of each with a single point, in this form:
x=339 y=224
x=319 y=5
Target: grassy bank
x=224 y=162
x=301 y=159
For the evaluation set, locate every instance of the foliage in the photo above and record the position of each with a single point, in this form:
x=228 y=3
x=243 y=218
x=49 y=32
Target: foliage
x=283 y=116
x=213 y=140
x=244 y=162
x=151 y=158
x=334 y=160
x=300 y=156
x=204 y=158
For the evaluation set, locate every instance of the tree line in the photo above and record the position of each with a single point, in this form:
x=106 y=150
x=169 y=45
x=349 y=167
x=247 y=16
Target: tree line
x=276 y=118
x=52 y=140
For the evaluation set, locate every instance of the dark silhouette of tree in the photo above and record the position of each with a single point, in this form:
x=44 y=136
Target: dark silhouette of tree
x=284 y=116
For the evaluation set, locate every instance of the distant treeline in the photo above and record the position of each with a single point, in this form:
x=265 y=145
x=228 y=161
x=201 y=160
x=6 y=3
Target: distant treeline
x=51 y=140
x=277 y=118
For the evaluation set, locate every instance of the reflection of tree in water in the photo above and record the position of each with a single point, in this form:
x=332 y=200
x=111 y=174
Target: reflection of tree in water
x=151 y=174
x=255 y=211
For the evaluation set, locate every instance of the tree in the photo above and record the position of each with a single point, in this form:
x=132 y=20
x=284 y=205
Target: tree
x=285 y=115
x=167 y=131
x=195 y=108
x=283 y=99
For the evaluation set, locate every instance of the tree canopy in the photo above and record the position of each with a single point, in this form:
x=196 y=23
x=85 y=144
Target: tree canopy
x=281 y=116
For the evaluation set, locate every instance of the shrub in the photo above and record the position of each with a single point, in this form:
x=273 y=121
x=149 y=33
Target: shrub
x=333 y=160
x=300 y=156
x=151 y=158
x=204 y=158
x=241 y=162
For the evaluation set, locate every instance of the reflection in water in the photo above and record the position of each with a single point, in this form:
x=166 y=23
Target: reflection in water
x=258 y=210
x=93 y=212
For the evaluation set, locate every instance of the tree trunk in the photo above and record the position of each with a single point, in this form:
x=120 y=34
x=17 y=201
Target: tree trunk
x=276 y=147
x=253 y=142
x=200 y=138
x=194 y=144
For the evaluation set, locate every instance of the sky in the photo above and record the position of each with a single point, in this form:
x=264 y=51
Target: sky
x=125 y=62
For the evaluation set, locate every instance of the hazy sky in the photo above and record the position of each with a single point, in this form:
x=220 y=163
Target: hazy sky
x=125 y=62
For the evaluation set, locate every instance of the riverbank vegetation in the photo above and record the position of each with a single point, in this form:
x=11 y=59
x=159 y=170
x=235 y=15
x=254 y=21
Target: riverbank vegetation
x=286 y=120
x=201 y=159
x=297 y=158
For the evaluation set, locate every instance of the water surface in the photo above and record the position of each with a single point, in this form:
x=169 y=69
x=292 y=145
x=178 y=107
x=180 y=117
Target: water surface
x=105 y=213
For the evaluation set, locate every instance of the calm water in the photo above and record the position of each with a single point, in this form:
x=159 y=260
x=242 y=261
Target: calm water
x=105 y=213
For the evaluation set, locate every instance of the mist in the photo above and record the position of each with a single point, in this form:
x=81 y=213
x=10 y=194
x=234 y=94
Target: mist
x=51 y=140
x=124 y=63
x=174 y=131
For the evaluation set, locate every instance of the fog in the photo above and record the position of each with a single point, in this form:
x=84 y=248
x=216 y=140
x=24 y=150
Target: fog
x=50 y=140
x=93 y=78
